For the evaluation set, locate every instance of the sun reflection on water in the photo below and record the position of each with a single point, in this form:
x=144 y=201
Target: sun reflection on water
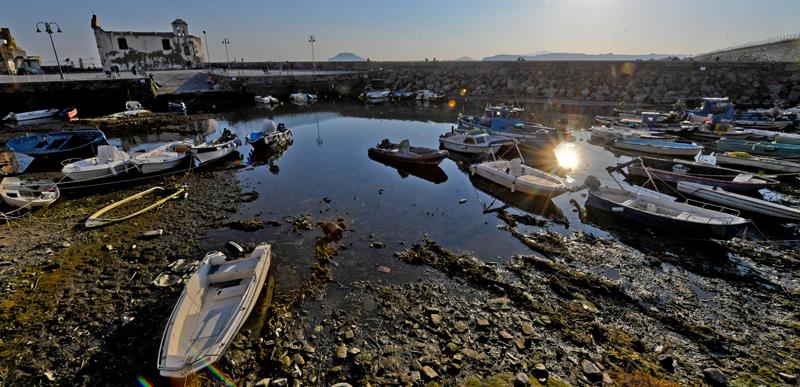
x=567 y=155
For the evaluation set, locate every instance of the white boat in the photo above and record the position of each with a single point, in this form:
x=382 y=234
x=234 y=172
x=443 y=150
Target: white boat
x=376 y=95
x=32 y=115
x=740 y=202
x=98 y=219
x=132 y=109
x=163 y=158
x=223 y=146
x=268 y=100
x=474 y=142
x=658 y=146
x=427 y=95
x=303 y=98
x=272 y=135
x=110 y=161
x=788 y=138
x=743 y=159
x=609 y=134
x=212 y=308
x=519 y=178
x=20 y=193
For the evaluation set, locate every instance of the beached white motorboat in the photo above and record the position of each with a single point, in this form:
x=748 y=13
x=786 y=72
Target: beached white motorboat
x=519 y=178
x=110 y=161
x=32 y=115
x=132 y=109
x=212 y=308
x=774 y=211
x=744 y=159
x=223 y=146
x=659 y=146
x=163 y=158
x=474 y=142
x=303 y=98
x=267 y=100
x=271 y=135
x=20 y=193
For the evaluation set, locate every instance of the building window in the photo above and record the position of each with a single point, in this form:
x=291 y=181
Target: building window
x=166 y=44
x=123 y=44
x=186 y=50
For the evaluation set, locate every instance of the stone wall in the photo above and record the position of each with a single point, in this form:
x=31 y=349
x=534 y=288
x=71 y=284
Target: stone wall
x=784 y=51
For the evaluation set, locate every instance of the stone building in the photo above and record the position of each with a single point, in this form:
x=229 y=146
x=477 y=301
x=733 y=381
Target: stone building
x=11 y=55
x=149 y=50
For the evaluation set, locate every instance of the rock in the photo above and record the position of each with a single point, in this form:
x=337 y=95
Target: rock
x=429 y=372
x=355 y=351
x=520 y=343
x=384 y=269
x=505 y=335
x=280 y=382
x=521 y=380
x=607 y=381
x=667 y=362
x=349 y=334
x=286 y=361
x=527 y=328
x=483 y=323
x=452 y=347
x=715 y=377
x=248 y=225
x=108 y=247
x=341 y=351
x=788 y=378
x=298 y=359
x=152 y=234
x=307 y=348
x=540 y=372
x=436 y=319
x=591 y=371
x=415 y=376
x=461 y=326
x=50 y=375
x=263 y=382
x=462 y=200
x=376 y=245
x=296 y=373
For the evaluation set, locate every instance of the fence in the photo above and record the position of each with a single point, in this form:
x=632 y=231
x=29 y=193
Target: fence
x=773 y=40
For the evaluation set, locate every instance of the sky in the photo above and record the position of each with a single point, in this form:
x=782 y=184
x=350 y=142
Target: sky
x=412 y=29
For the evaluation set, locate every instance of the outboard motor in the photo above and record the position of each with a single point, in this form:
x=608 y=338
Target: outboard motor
x=235 y=249
x=592 y=182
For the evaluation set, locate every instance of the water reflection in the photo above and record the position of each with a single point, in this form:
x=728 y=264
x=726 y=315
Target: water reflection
x=432 y=173
x=539 y=206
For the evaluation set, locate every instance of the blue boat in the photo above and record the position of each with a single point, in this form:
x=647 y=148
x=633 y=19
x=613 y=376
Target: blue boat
x=712 y=110
x=762 y=148
x=505 y=121
x=58 y=146
x=272 y=135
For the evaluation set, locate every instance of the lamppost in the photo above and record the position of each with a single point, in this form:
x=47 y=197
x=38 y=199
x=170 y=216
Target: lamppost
x=50 y=32
x=208 y=52
x=313 y=61
x=226 y=42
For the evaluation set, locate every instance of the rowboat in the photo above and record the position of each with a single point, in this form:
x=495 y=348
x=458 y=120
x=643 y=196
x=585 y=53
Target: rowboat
x=405 y=153
x=267 y=100
x=163 y=158
x=474 y=142
x=271 y=135
x=673 y=171
x=519 y=178
x=749 y=204
x=223 y=146
x=32 y=115
x=375 y=95
x=427 y=95
x=659 y=146
x=57 y=146
x=744 y=159
x=20 y=193
x=506 y=121
x=214 y=305
x=609 y=134
x=674 y=217
x=109 y=162
x=757 y=147
x=97 y=219
x=303 y=98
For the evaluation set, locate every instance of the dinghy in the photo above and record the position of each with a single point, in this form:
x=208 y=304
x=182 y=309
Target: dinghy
x=519 y=178
x=429 y=96
x=744 y=159
x=659 y=146
x=674 y=217
x=13 y=163
x=212 y=308
x=474 y=142
x=370 y=95
x=58 y=146
x=97 y=219
x=176 y=107
x=266 y=100
x=20 y=193
x=303 y=98
x=405 y=153
x=749 y=204
x=271 y=135
x=32 y=115
x=163 y=158
x=218 y=149
x=763 y=148
x=110 y=161
x=673 y=171
x=506 y=121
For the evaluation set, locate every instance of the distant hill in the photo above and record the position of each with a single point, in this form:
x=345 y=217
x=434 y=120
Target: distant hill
x=554 y=56
x=466 y=59
x=346 y=57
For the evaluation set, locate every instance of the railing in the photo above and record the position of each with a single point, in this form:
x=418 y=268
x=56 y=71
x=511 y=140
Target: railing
x=773 y=40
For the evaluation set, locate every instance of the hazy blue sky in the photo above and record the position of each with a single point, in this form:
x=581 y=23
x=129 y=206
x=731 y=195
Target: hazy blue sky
x=414 y=29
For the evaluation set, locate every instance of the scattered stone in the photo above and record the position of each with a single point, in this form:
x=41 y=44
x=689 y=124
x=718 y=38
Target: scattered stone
x=461 y=326
x=715 y=377
x=51 y=376
x=505 y=335
x=280 y=382
x=667 y=362
x=376 y=245
x=527 y=328
x=521 y=380
x=286 y=361
x=296 y=372
x=452 y=347
x=108 y=247
x=436 y=319
x=384 y=269
x=341 y=351
x=540 y=372
x=263 y=382
x=307 y=348
x=591 y=371
x=483 y=323
x=607 y=380
x=355 y=351
x=152 y=234
x=788 y=378
x=349 y=334
x=247 y=225
x=298 y=359
x=429 y=372
x=520 y=343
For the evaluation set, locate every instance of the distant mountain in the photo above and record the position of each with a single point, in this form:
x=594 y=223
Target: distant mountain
x=466 y=59
x=346 y=57
x=555 y=56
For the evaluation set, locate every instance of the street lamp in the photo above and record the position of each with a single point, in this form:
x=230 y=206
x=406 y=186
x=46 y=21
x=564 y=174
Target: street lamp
x=313 y=61
x=49 y=31
x=226 y=42
x=208 y=52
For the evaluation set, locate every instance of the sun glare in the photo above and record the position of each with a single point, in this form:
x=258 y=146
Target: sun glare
x=567 y=155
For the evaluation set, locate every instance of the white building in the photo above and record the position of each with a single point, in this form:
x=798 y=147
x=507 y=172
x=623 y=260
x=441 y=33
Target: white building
x=149 y=50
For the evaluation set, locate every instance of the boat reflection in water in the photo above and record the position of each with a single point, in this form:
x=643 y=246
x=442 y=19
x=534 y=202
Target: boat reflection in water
x=541 y=208
x=268 y=157
x=432 y=173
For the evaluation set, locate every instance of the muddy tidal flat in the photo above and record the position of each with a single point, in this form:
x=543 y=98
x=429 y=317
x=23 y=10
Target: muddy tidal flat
x=392 y=276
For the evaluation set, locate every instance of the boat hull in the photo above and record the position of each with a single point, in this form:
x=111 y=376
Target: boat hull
x=740 y=202
x=760 y=163
x=105 y=172
x=429 y=157
x=758 y=148
x=654 y=148
x=664 y=170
